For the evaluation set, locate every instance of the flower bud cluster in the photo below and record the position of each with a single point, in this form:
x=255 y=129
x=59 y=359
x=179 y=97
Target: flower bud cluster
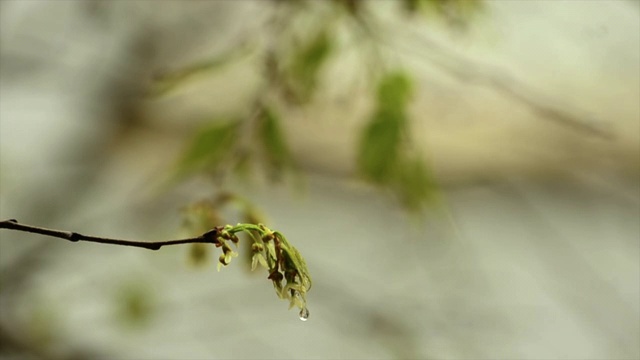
x=271 y=250
x=225 y=236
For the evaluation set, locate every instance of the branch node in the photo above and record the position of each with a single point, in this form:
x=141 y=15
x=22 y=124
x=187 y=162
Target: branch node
x=211 y=235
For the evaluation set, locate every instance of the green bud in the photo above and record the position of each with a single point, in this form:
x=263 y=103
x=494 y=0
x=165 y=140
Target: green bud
x=255 y=247
x=226 y=249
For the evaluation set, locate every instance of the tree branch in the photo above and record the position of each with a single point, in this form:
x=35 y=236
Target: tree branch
x=270 y=249
x=12 y=224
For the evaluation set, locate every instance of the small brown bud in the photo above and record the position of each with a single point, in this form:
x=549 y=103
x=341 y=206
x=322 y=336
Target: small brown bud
x=275 y=276
x=234 y=238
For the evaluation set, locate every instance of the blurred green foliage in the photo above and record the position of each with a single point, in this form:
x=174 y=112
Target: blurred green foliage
x=384 y=156
x=206 y=214
x=379 y=146
x=199 y=254
x=197 y=219
x=220 y=147
x=381 y=139
x=276 y=151
x=306 y=64
x=134 y=304
x=43 y=324
x=461 y=8
x=394 y=92
x=210 y=147
x=415 y=185
x=165 y=82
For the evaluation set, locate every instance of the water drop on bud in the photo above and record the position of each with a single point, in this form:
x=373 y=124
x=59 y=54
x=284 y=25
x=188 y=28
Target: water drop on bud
x=304 y=314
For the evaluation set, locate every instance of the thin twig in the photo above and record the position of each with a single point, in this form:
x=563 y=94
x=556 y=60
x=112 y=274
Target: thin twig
x=271 y=250
x=12 y=224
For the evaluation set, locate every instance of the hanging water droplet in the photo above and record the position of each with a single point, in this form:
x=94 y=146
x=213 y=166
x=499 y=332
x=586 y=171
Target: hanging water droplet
x=304 y=314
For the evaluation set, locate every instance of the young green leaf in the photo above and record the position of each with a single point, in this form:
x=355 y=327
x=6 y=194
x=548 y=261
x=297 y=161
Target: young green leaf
x=294 y=261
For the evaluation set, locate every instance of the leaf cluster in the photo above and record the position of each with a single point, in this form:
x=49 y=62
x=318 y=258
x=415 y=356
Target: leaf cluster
x=266 y=248
x=270 y=249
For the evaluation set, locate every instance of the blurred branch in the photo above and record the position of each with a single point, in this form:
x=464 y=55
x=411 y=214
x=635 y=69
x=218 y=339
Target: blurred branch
x=472 y=71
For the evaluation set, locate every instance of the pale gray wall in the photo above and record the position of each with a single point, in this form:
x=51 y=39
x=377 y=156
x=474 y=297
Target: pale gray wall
x=541 y=262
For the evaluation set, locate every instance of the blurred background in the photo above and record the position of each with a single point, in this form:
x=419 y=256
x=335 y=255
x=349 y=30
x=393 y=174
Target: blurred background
x=462 y=177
